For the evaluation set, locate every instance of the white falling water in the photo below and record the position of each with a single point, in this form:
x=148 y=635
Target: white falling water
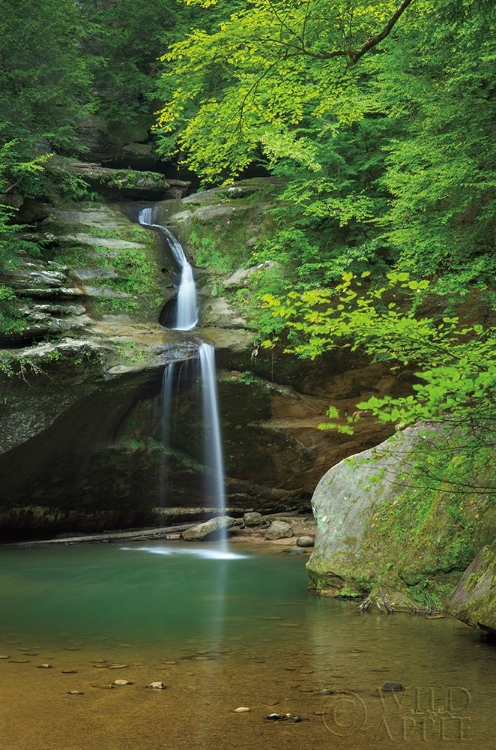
x=187 y=306
x=186 y=319
x=214 y=458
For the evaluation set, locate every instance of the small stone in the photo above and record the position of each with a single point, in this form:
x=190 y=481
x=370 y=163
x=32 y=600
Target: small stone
x=279 y=530
x=295 y=719
x=276 y=717
x=305 y=541
x=271 y=702
x=306 y=671
x=19 y=661
x=157 y=686
x=252 y=519
x=4 y=656
x=69 y=671
x=392 y=687
x=100 y=666
x=118 y=666
x=75 y=692
x=242 y=710
x=45 y=666
x=122 y=682
x=326 y=691
x=296 y=551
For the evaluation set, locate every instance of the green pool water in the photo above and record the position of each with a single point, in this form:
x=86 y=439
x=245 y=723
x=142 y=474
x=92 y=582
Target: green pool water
x=239 y=630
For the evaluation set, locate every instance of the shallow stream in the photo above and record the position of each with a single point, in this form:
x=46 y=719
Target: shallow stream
x=222 y=631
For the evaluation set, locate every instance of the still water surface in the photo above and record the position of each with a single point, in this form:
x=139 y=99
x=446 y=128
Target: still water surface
x=222 y=629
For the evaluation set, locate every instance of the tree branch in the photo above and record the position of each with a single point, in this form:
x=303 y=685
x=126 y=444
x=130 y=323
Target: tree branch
x=375 y=40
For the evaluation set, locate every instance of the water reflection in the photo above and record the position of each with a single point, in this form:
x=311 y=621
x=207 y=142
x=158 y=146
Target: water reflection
x=203 y=554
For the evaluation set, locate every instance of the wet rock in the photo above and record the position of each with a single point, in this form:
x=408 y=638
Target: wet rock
x=305 y=541
x=279 y=530
x=157 y=686
x=296 y=551
x=208 y=529
x=253 y=519
x=392 y=687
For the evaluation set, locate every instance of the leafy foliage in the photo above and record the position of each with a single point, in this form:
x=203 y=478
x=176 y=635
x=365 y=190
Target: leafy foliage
x=454 y=362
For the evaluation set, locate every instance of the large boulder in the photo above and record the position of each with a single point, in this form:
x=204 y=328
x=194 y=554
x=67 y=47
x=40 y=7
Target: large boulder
x=380 y=521
x=474 y=599
x=209 y=529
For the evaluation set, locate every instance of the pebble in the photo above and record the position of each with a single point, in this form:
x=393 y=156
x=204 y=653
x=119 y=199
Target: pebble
x=242 y=710
x=100 y=666
x=45 y=666
x=326 y=691
x=118 y=666
x=271 y=702
x=392 y=687
x=4 y=656
x=122 y=682
x=75 y=692
x=305 y=541
x=69 y=671
x=157 y=686
x=19 y=661
x=306 y=671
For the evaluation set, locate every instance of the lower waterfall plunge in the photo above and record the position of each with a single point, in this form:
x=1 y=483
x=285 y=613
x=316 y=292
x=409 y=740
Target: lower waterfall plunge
x=186 y=318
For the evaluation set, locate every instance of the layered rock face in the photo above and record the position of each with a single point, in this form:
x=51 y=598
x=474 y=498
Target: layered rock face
x=81 y=423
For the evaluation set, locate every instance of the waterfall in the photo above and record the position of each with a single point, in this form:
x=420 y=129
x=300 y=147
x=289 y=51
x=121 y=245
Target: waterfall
x=186 y=308
x=186 y=318
x=211 y=424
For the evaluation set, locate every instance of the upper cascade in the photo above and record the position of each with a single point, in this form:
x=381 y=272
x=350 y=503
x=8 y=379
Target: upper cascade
x=187 y=306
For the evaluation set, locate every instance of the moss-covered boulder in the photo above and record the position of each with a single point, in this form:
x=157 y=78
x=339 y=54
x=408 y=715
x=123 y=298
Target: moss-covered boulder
x=474 y=599
x=383 y=520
